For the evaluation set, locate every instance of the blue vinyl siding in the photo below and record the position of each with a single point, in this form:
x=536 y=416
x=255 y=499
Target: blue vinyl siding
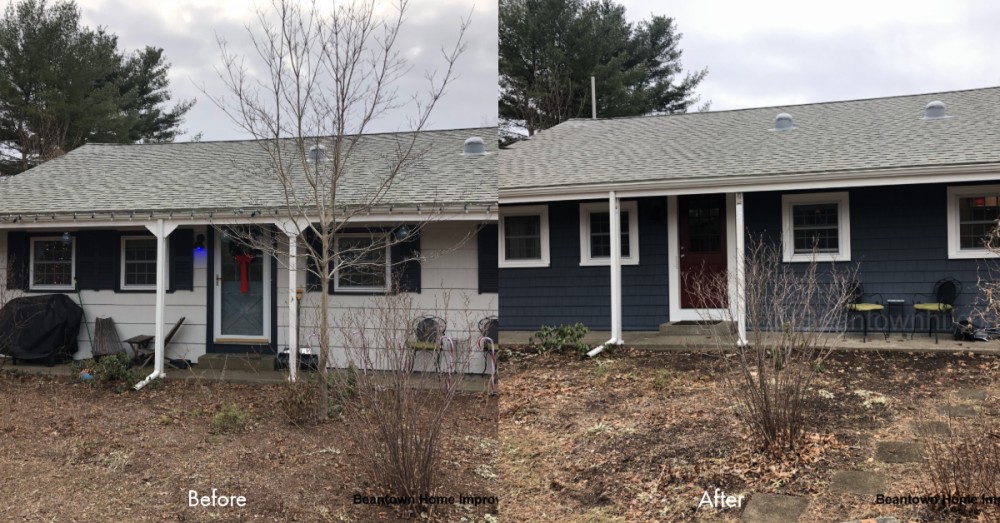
x=565 y=292
x=898 y=239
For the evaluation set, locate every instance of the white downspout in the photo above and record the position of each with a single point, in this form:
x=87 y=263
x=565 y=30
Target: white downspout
x=614 y=213
x=293 y=306
x=161 y=231
x=740 y=292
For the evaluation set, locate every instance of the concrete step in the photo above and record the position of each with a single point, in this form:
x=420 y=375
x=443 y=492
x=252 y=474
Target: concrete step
x=236 y=362
x=695 y=328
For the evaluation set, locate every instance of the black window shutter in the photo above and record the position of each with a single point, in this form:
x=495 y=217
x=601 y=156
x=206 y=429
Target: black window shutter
x=405 y=259
x=18 y=251
x=488 y=259
x=182 y=260
x=98 y=256
x=312 y=279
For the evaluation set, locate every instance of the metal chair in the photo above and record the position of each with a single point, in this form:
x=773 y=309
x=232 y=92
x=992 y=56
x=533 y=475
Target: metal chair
x=862 y=307
x=427 y=333
x=946 y=291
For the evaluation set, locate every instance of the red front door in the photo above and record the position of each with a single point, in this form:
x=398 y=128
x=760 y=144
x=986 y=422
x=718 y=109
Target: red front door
x=702 y=238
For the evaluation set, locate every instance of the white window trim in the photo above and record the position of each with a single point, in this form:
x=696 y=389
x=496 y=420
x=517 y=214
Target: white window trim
x=336 y=271
x=586 y=209
x=843 y=202
x=533 y=210
x=955 y=250
x=121 y=275
x=31 y=264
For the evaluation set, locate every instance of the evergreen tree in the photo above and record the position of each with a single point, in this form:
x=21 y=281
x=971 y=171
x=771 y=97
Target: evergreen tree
x=63 y=85
x=549 y=49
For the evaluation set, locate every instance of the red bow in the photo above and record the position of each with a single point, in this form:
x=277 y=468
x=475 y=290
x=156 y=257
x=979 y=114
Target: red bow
x=244 y=261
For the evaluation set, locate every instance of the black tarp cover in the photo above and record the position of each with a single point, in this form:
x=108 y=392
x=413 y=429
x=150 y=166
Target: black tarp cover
x=40 y=327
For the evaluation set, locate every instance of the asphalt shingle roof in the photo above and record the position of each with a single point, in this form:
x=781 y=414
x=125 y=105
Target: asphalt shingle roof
x=873 y=134
x=233 y=175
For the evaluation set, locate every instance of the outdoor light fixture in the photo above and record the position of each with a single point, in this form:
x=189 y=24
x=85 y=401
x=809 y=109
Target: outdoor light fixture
x=402 y=232
x=199 y=243
x=66 y=238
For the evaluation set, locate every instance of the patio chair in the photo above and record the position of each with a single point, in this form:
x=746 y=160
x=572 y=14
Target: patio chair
x=141 y=345
x=946 y=291
x=427 y=333
x=859 y=305
x=106 y=340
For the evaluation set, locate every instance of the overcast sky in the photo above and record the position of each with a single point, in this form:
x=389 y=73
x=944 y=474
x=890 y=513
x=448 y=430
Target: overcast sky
x=186 y=30
x=765 y=52
x=758 y=53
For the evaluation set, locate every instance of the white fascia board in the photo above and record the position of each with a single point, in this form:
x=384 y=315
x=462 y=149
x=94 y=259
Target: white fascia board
x=60 y=221
x=784 y=182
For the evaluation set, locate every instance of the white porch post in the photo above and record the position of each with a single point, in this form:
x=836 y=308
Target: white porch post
x=740 y=294
x=293 y=305
x=614 y=213
x=161 y=230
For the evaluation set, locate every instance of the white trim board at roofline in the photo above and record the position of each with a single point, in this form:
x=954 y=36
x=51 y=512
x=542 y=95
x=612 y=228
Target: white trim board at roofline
x=64 y=221
x=761 y=183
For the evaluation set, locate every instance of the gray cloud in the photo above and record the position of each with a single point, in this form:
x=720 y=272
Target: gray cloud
x=188 y=36
x=774 y=53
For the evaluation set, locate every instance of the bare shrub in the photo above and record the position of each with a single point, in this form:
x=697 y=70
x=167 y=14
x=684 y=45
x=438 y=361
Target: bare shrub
x=403 y=391
x=965 y=462
x=6 y=296
x=793 y=312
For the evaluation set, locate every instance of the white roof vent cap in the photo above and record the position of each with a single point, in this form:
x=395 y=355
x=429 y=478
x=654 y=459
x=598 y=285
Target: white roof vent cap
x=474 y=147
x=783 y=122
x=934 y=110
x=317 y=153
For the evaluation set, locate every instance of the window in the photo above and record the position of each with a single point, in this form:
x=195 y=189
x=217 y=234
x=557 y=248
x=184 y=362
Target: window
x=138 y=263
x=362 y=263
x=819 y=223
x=972 y=213
x=524 y=236
x=595 y=234
x=52 y=264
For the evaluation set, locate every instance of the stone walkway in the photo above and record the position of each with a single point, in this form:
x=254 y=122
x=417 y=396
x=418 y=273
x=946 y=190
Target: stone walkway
x=767 y=508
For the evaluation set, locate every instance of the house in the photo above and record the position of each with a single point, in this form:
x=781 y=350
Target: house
x=138 y=233
x=905 y=185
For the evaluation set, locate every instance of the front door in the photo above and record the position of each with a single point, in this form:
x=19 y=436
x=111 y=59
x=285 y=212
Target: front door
x=242 y=293
x=702 y=244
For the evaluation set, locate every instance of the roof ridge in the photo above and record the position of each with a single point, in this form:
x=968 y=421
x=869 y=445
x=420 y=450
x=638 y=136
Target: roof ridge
x=831 y=102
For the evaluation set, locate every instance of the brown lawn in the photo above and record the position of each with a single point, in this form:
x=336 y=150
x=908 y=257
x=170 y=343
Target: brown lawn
x=639 y=436
x=73 y=452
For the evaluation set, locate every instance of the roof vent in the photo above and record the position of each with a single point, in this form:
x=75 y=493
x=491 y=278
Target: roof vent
x=783 y=122
x=934 y=110
x=317 y=153
x=474 y=147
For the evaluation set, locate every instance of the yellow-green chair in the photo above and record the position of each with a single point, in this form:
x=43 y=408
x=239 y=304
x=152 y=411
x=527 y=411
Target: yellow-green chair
x=940 y=304
x=859 y=305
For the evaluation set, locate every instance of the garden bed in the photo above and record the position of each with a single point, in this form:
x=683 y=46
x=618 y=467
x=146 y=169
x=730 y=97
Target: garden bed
x=640 y=436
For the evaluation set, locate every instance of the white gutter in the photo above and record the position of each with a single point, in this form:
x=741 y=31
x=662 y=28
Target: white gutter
x=773 y=182
x=161 y=231
x=118 y=219
x=614 y=214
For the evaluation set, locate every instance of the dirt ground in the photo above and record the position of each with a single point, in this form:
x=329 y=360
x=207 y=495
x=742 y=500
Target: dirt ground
x=640 y=436
x=73 y=452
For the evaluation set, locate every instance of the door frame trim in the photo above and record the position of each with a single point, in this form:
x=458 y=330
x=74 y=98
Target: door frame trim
x=677 y=313
x=211 y=347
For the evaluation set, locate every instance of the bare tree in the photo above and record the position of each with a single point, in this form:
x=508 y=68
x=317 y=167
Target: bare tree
x=793 y=314
x=318 y=82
